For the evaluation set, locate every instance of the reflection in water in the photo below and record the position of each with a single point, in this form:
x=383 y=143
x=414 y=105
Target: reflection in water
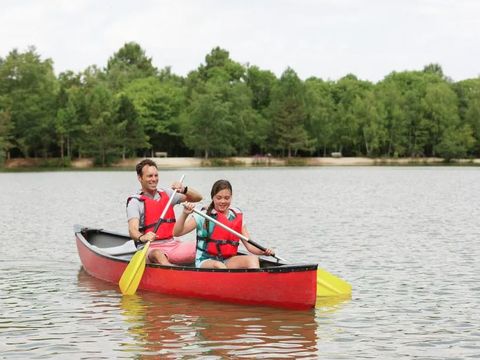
x=331 y=303
x=406 y=238
x=176 y=327
x=167 y=326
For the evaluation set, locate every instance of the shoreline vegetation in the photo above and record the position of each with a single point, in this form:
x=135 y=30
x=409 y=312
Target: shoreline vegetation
x=223 y=109
x=253 y=161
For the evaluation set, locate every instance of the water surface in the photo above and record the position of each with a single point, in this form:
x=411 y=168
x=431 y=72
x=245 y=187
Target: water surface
x=405 y=238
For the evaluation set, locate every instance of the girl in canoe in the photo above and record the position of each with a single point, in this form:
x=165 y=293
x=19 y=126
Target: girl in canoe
x=217 y=247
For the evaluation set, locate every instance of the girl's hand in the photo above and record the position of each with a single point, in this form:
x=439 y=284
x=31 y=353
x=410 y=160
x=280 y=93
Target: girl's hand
x=188 y=207
x=269 y=252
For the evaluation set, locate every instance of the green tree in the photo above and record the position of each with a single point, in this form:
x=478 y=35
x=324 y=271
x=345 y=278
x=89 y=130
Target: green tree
x=65 y=116
x=468 y=92
x=28 y=86
x=391 y=104
x=223 y=80
x=261 y=83
x=218 y=61
x=127 y=64
x=103 y=135
x=206 y=125
x=434 y=69
x=371 y=125
x=159 y=104
x=320 y=112
x=250 y=128
x=440 y=112
x=455 y=143
x=6 y=137
x=348 y=95
x=67 y=123
x=287 y=114
x=75 y=100
x=412 y=87
x=134 y=137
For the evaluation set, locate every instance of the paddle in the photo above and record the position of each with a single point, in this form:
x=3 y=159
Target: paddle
x=241 y=236
x=327 y=284
x=133 y=273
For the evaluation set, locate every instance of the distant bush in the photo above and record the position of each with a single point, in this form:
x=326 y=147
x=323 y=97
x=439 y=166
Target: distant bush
x=295 y=161
x=221 y=162
x=55 y=163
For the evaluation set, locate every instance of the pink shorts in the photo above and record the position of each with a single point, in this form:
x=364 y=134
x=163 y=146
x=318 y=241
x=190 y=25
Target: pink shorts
x=177 y=252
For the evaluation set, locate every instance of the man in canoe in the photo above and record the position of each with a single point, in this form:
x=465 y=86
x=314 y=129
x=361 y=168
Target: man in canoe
x=145 y=208
x=216 y=247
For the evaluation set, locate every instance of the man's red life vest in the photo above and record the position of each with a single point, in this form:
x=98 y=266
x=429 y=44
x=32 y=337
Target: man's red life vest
x=221 y=243
x=153 y=210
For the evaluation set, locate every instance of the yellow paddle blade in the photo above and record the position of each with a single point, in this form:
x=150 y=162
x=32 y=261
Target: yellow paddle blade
x=331 y=285
x=134 y=271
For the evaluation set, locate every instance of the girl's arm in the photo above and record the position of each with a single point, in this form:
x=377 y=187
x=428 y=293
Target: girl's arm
x=251 y=248
x=182 y=225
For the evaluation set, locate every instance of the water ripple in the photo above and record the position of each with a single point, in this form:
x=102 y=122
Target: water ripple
x=406 y=238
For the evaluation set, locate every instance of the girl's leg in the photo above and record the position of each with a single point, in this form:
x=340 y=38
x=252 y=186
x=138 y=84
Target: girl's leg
x=243 y=262
x=213 y=264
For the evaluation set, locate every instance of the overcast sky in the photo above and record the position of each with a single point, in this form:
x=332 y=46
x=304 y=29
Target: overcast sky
x=323 y=38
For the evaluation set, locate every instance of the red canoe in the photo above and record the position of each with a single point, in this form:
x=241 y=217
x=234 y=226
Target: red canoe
x=105 y=255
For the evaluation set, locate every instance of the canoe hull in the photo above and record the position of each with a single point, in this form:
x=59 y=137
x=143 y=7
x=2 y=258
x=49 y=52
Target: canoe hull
x=286 y=286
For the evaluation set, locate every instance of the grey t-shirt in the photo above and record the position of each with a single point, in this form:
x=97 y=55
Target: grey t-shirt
x=136 y=209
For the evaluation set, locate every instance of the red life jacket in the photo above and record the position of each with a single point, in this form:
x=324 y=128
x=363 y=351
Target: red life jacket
x=153 y=211
x=222 y=243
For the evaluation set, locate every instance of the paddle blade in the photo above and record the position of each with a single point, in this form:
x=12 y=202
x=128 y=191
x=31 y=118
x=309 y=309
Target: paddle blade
x=331 y=285
x=133 y=273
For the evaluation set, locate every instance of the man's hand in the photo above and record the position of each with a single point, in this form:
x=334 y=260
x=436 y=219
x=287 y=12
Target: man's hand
x=177 y=185
x=150 y=236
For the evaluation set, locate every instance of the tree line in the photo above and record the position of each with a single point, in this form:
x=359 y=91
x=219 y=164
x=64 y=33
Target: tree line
x=224 y=108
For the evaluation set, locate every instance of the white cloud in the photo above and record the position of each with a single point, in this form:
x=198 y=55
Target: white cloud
x=323 y=38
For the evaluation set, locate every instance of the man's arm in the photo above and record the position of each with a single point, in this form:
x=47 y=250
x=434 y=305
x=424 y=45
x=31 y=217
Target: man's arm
x=184 y=193
x=134 y=213
x=133 y=225
x=192 y=195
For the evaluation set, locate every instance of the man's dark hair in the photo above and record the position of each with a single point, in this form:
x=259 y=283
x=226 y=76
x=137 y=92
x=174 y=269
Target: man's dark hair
x=142 y=163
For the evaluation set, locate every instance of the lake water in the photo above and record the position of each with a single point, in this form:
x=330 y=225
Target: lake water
x=406 y=238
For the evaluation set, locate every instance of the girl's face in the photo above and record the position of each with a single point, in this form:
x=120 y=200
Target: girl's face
x=222 y=200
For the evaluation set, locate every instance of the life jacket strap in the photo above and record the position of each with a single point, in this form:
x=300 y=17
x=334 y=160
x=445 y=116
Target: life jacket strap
x=145 y=227
x=220 y=242
x=213 y=257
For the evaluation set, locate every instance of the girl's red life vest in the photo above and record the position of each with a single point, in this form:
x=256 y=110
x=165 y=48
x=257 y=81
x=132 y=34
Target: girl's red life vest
x=153 y=211
x=221 y=243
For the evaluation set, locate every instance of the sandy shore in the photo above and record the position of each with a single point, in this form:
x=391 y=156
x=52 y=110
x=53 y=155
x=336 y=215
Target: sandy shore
x=189 y=162
x=184 y=162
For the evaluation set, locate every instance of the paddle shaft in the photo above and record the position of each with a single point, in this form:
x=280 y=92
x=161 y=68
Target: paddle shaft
x=157 y=225
x=236 y=233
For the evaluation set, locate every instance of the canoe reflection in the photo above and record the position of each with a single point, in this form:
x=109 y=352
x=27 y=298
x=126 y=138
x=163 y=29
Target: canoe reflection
x=176 y=327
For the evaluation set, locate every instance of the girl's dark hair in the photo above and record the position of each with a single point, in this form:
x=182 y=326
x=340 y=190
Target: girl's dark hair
x=217 y=186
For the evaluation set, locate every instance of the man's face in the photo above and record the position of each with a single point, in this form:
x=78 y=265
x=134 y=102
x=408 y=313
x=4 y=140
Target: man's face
x=149 y=178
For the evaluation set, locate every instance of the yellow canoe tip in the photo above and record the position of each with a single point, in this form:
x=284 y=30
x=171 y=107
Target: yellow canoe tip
x=331 y=285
